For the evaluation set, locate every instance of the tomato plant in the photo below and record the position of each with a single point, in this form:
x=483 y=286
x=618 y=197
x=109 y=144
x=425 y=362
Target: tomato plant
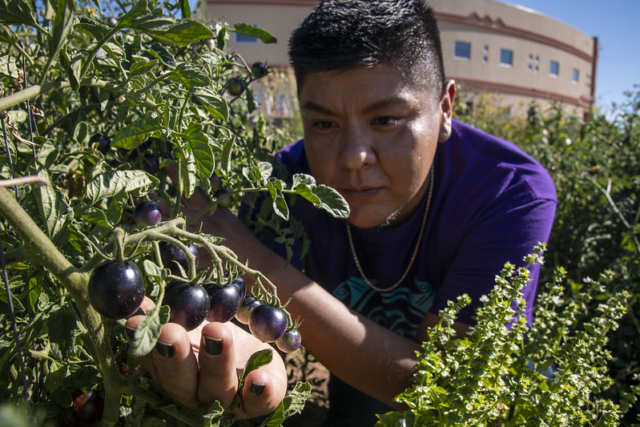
x=96 y=100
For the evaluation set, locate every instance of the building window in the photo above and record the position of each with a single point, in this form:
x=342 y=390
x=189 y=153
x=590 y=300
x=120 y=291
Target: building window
x=576 y=75
x=462 y=50
x=506 y=57
x=554 y=68
x=243 y=39
x=486 y=48
x=485 y=58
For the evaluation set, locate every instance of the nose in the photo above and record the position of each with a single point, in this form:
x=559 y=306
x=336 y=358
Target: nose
x=357 y=148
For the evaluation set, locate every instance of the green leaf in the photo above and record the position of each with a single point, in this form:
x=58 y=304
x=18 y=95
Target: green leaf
x=185 y=8
x=182 y=32
x=259 y=33
x=191 y=76
x=16 y=12
x=214 y=104
x=266 y=169
x=279 y=203
x=189 y=172
x=141 y=66
x=304 y=179
x=139 y=8
x=92 y=215
x=292 y=404
x=63 y=329
x=137 y=132
x=148 y=331
x=7 y=36
x=92 y=28
x=73 y=68
x=57 y=373
x=305 y=191
x=257 y=360
x=61 y=25
x=4 y=302
x=162 y=54
x=201 y=148
x=152 y=269
x=52 y=207
x=211 y=411
x=134 y=182
x=225 y=158
x=331 y=201
x=8 y=67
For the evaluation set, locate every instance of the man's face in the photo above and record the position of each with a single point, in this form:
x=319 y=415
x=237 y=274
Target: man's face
x=373 y=138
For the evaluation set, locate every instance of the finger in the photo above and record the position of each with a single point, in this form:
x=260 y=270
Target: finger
x=176 y=364
x=218 y=375
x=264 y=389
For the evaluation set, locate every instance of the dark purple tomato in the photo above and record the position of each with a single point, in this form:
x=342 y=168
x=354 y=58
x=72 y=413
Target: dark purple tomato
x=236 y=87
x=150 y=164
x=290 y=341
x=189 y=304
x=115 y=164
x=224 y=301
x=147 y=214
x=87 y=407
x=267 y=323
x=259 y=69
x=116 y=289
x=103 y=143
x=239 y=283
x=171 y=254
x=216 y=182
x=224 y=200
x=245 y=309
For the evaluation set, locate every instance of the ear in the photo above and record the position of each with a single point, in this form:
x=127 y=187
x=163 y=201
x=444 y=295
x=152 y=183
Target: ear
x=446 y=106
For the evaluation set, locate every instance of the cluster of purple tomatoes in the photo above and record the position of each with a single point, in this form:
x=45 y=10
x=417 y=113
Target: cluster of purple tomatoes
x=116 y=291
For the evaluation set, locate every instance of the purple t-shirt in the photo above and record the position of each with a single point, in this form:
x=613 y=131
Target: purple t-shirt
x=491 y=204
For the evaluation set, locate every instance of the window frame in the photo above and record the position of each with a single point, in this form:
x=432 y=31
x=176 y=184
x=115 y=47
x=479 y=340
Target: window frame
x=557 y=68
x=504 y=50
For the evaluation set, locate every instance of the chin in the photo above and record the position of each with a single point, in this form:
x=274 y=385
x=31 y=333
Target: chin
x=373 y=221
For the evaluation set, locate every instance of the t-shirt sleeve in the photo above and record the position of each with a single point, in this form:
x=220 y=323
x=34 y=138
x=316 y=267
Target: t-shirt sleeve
x=506 y=231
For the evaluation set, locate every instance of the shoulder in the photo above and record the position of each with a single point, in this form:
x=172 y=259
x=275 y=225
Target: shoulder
x=294 y=158
x=475 y=158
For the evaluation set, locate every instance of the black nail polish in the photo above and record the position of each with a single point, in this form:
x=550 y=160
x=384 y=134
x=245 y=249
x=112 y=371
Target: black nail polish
x=213 y=346
x=130 y=332
x=256 y=389
x=165 y=350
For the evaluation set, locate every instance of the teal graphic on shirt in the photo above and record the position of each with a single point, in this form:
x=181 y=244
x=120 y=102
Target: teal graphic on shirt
x=400 y=310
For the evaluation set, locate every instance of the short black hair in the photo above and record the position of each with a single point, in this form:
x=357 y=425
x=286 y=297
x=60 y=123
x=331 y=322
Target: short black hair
x=340 y=35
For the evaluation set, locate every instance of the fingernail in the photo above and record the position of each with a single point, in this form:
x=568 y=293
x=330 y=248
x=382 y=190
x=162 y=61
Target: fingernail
x=165 y=350
x=130 y=332
x=256 y=389
x=213 y=346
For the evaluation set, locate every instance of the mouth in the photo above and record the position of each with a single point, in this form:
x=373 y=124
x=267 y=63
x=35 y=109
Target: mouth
x=362 y=193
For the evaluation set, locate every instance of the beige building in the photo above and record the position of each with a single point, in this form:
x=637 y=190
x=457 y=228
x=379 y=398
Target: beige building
x=515 y=53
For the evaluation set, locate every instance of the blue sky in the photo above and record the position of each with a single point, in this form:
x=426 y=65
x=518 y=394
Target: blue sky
x=615 y=23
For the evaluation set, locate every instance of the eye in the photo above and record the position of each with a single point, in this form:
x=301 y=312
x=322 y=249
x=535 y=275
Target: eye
x=323 y=124
x=386 y=121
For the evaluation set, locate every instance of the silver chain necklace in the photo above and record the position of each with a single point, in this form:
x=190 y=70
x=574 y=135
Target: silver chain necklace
x=415 y=250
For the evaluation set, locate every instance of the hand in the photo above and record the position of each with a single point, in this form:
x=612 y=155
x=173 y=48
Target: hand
x=203 y=365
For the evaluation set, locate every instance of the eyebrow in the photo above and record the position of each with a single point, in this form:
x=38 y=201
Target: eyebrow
x=383 y=103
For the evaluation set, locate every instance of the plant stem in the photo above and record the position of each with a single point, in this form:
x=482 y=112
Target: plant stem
x=39 y=248
x=144 y=394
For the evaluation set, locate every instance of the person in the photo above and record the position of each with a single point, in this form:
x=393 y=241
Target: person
x=436 y=209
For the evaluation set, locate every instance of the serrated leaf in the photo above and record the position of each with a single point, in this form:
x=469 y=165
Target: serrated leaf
x=8 y=67
x=266 y=169
x=103 y=96
x=148 y=331
x=16 y=12
x=61 y=25
x=214 y=104
x=95 y=29
x=211 y=411
x=182 y=32
x=137 y=132
x=63 y=329
x=139 y=8
x=80 y=133
x=92 y=215
x=141 y=66
x=257 y=360
x=259 y=33
x=199 y=144
x=304 y=190
x=279 y=203
x=191 y=76
x=57 y=372
x=163 y=54
x=73 y=68
x=225 y=158
x=331 y=201
x=189 y=172
x=303 y=178
x=292 y=404
x=115 y=50
x=52 y=207
x=7 y=36
x=156 y=272
x=134 y=182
